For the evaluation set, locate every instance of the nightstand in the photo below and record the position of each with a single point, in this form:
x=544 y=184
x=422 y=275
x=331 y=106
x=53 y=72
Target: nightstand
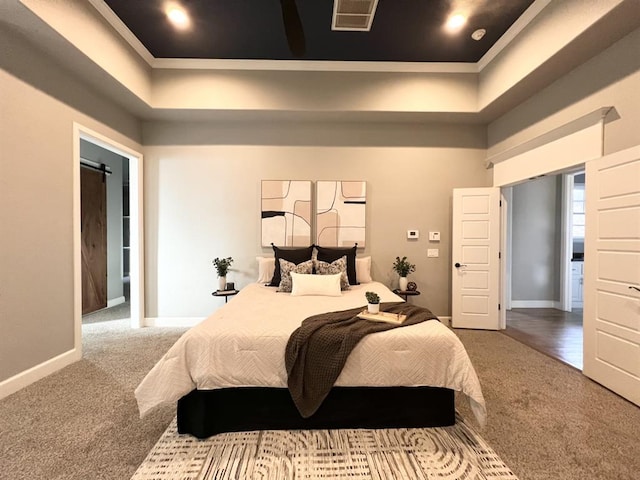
x=406 y=293
x=225 y=293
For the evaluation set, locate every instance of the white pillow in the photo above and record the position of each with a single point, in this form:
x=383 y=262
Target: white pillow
x=287 y=268
x=363 y=270
x=266 y=267
x=305 y=284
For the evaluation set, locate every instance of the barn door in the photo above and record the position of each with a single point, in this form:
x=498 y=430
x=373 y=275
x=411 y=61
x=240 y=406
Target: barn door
x=612 y=273
x=93 y=218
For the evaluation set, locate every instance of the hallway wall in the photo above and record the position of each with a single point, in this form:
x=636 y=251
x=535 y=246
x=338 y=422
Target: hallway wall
x=536 y=236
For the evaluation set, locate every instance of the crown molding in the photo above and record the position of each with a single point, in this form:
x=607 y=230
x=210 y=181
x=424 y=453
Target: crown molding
x=123 y=30
x=314 y=65
x=527 y=17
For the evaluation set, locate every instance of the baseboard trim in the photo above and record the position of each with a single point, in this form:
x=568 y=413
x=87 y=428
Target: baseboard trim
x=535 y=304
x=115 y=301
x=172 y=321
x=38 y=372
x=445 y=320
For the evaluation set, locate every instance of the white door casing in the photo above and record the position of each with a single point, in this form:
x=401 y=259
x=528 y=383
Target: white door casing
x=612 y=273
x=475 y=269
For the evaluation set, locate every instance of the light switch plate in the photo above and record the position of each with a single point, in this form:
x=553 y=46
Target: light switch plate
x=434 y=236
x=413 y=234
x=433 y=252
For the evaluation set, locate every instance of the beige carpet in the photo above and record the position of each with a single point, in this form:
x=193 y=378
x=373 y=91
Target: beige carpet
x=82 y=422
x=546 y=420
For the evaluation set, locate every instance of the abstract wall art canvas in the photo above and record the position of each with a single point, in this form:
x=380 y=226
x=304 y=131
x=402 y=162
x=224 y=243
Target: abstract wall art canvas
x=340 y=213
x=286 y=213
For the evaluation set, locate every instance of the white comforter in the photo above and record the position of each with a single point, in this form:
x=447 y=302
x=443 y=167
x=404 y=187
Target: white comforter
x=243 y=344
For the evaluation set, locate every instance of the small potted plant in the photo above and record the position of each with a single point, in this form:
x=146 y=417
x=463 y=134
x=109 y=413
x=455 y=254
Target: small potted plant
x=222 y=267
x=373 y=302
x=403 y=268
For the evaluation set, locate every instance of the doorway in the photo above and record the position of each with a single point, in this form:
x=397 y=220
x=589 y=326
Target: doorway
x=135 y=247
x=546 y=231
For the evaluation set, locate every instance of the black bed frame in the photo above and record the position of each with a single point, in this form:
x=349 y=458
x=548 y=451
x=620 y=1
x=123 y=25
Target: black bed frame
x=203 y=413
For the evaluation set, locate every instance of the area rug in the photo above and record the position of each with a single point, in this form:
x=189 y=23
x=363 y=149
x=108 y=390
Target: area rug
x=455 y=452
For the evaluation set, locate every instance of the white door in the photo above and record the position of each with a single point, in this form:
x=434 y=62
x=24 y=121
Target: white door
x=612 y=273
x=475 y=249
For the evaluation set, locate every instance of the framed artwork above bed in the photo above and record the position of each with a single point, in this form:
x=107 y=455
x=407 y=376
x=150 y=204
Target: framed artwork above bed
x=286 y=213
x=340 y=213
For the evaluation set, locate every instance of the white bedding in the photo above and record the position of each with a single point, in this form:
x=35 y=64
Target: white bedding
x=243 y=344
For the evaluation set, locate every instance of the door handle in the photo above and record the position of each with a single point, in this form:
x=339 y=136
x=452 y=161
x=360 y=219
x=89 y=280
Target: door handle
x=634 y=288
x=458 y=265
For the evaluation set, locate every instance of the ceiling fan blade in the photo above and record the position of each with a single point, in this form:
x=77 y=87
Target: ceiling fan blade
x=293 y=27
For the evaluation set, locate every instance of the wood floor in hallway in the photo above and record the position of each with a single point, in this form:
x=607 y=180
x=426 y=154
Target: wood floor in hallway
x=550 y=331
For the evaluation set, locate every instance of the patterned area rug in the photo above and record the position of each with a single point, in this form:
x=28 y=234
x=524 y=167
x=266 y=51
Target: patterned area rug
x=455 y=452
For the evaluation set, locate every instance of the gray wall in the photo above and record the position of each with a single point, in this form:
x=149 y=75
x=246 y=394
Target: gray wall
x=578 y=243
x=98 y=154
x=536 y=236
x=609 y=79
x=202 y=198
x=39 y=104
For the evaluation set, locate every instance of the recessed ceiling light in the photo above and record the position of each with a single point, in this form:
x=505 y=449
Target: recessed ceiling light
x=455 y=22
x=178 y=16
x=478 y=34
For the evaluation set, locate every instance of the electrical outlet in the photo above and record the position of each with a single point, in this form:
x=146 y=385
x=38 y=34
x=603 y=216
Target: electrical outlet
x=433 y=252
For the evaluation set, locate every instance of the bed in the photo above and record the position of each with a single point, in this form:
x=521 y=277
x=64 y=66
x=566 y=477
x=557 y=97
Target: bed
x=228 y=372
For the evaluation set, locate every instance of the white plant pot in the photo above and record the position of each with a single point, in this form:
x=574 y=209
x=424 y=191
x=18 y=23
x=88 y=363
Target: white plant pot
x=402 y=283
x=222 y=283
x=373 y=307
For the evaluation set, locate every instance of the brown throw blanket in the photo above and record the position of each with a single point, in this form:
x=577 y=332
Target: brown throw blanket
x=318 y=350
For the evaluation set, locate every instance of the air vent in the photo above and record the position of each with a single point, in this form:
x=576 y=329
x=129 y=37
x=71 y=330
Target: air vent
x=353 y=15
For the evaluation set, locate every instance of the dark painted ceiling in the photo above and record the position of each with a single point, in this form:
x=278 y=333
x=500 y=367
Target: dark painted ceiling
x=402 y=30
